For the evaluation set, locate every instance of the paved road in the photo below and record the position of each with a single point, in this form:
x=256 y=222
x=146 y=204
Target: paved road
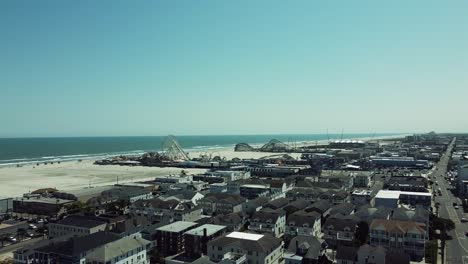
x=11 y=248
x=456 y=248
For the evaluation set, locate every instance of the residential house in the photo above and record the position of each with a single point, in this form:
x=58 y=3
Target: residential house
x=343 y=209
x=339 y=230
x=304 y=250
x=295 y=206
x=322 y=207
x=303 y=223
x=129 y=194
x=367 y=254
x=166 y=211
x=277 y=203
x=247 y=247
x=254 y=205
x=183 y=196
x=407 y=236
x=222 y=203
x=269 y=221
x=232 y=221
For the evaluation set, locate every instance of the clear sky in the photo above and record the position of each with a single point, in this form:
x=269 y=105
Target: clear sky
x=98 y=68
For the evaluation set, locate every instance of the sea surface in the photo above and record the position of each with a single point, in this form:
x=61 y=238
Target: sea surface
x=31 y=150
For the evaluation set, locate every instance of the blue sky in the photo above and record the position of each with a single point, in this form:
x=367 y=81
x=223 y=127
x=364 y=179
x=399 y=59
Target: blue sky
x=97 y=68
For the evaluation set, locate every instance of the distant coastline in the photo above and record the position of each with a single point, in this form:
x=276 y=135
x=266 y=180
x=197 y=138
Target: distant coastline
x=27 y=151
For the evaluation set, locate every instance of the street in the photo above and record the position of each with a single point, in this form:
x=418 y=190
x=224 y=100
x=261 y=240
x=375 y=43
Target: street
x=457 y=247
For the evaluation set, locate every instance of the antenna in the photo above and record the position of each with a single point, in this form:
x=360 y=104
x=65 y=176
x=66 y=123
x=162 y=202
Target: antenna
x=342 y=133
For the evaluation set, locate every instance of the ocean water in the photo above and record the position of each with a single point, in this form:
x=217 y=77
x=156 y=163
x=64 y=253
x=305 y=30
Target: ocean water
x=32 y=150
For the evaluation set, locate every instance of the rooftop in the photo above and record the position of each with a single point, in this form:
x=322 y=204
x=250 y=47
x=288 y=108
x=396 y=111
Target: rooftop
x=82 y=221
x=260 y=186
x=390 y=194
x=246 y=236
x=177 y=226
x=41 y=199
x=210 y=230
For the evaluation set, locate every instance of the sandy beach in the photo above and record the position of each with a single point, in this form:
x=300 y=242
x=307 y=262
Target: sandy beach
x=72 y=175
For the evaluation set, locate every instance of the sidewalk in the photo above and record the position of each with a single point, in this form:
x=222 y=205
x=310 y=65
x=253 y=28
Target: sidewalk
x=439 y=252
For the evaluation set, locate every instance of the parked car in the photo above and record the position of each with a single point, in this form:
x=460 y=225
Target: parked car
x=12 y=239
x=456 y=207
x=464 y=220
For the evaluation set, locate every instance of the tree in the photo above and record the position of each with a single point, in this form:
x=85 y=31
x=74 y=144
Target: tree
x=441 y=223
x=362 y=233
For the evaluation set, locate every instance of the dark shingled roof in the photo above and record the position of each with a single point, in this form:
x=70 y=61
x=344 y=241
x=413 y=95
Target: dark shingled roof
x=82 y=221
x=157 y=203
x=309 y=243
x=344 y=209
x=340 y=222
x=78 y=245
x=267 y=214
x=302 y=217
x=320 y=206
x=226 y=197
x=277 y=203
x=296 y=206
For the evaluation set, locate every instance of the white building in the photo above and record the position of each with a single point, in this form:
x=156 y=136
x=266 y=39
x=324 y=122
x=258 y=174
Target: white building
x=128 y=250
x=256 y=248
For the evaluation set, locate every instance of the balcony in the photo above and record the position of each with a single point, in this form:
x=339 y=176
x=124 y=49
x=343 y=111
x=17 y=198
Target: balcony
x=344 y=237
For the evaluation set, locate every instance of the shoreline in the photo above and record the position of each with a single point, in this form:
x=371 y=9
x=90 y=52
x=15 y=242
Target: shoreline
x=21 y=162
x=74 y=175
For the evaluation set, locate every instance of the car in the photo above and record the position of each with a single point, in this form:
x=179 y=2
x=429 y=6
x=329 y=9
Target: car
x=31 y=226
x=464 y=220
x=456 y=207
x=12 y=239
x=40 y=221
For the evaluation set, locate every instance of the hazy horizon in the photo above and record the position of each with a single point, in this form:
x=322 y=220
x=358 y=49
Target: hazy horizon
x=116 y=68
